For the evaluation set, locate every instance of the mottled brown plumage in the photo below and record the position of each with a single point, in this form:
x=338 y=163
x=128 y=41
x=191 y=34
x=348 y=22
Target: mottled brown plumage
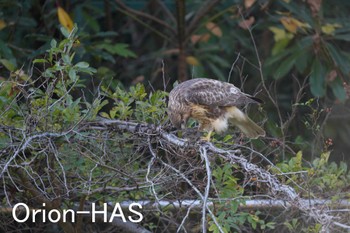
x=212 y=103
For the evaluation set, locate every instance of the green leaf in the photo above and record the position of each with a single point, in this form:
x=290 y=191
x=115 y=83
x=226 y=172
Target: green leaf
x=82 y=64
x=219 y=60
x=118 y=49
x=65 y=32
x=217 y=72
x=344 y=37
x=317 y=79
x=338 y=89
x=280 y=46
x=340 y=59
x=278 y=57
x=72 y=74
x=8 y=64
x=302 y=61
x=105 y=115
x=53 y=43
x=5 y=51
x=66 y=59
x=284 y=68
x=39 y=61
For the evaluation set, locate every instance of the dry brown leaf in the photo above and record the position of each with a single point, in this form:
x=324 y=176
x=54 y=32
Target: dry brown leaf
x=331 y=75
x=214 y=28
x=315 y=6
x=347 y=90
x=247 y=23
x=248 y=3
x=200 y=38
x=138 y=79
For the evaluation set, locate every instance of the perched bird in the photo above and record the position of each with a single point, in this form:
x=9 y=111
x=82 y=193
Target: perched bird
x=213 y=104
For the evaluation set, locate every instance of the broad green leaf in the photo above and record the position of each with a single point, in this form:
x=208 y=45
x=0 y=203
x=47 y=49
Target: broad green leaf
x=82 y=64
x=338 y=89
x=5 y=50
x=219 y=60
x=317 y=79
x=278 y=57
x=119 y=49
x=341 y=60
x=66 y=59
x=344 y=37
x=284 y=67
x=278 y=33
x=303 y=59
x=72 y=74
x=280 y=45
x=8 y=64
x=217 y=72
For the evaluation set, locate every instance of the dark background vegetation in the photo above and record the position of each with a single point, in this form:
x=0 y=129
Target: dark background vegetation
x=139 y=41
x=295 y=55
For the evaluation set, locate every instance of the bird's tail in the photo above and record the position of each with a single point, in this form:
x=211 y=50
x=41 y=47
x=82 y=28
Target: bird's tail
x=244 y=123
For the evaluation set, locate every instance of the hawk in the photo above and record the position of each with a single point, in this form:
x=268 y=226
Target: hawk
x=213 y=104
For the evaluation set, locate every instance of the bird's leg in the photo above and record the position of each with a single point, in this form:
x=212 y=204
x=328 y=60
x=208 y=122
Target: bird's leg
x=207 y=138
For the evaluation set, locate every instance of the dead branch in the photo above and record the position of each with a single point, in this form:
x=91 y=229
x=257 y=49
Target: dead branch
x=279 y=194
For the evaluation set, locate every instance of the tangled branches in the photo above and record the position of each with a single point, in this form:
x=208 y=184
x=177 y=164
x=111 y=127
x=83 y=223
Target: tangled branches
x=107 y=158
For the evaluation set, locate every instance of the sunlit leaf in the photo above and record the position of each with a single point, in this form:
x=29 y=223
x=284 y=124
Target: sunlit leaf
x=39 y=60
x=280 y=46
x=280 y=34
x=292 y=24
x=191 y=60
x=64 y=19
x=329 y=28
x=2 y=24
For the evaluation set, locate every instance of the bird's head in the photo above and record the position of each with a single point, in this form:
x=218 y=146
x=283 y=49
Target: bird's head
x=177 y=119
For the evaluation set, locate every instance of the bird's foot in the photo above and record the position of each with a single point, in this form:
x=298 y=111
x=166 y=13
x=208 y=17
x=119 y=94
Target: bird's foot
x=207 y=137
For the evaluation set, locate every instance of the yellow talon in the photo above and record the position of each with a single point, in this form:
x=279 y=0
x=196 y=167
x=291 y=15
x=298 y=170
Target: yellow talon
x=207 y=138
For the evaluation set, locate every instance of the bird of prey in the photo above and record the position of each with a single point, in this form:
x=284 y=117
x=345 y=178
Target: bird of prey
x=213 y=104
